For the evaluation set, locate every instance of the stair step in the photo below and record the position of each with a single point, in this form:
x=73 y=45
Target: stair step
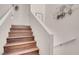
x=12 y=47
x=12 y=30
x=20 y=26
x=18 y=43
x=20 y=39
x=13 y=34
x=24 y=52
x=17 y=32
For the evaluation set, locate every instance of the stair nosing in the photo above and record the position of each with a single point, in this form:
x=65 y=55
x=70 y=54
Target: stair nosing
x=20 y=28
x=21 y=25
x=19 y=37
x=19 y=43
x=21 y=32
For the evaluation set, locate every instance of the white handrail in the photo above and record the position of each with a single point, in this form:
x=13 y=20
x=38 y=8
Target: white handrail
x=5 y=16
x=39 y=15
x=64 y=43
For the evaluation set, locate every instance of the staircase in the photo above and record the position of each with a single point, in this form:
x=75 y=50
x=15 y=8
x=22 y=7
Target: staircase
x=21 y=41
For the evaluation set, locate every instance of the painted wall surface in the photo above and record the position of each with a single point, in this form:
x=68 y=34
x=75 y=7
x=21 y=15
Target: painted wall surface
x=3 y=9
x=21 y=16
x=38 y=8
x=39 y=11
x=41 y=36
x=63 y=30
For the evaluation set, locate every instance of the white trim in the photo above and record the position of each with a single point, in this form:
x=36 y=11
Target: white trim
x=44 y=26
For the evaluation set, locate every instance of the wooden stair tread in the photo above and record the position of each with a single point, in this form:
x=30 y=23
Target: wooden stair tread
x=18 y=43
x=19 y=37
x=20 y=26
x=22 y=51
x=20 y=32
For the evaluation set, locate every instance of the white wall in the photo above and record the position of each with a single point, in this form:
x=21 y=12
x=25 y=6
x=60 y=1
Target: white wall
x=41 y=36
x=3 y=9
x=21 y=16
x=39 y=11
x=63 y=30
x=38 y=8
